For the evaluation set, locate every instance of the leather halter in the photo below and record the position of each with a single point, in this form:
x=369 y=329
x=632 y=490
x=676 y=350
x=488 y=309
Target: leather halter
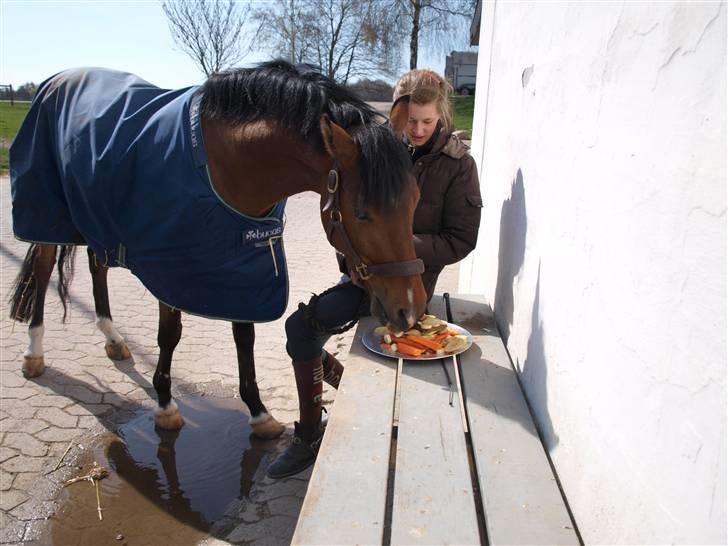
x=365 y=271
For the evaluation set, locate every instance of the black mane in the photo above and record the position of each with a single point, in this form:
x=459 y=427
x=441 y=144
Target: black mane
x=297 y=96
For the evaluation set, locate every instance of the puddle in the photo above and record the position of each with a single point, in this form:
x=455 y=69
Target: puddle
x=164 y=487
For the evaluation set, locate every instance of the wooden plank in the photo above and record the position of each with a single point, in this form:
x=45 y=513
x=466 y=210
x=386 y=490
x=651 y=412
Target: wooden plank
x=433 y=495
x=347 y=491
x=522 y=502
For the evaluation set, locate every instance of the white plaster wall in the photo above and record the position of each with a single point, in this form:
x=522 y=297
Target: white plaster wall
x=600 y=135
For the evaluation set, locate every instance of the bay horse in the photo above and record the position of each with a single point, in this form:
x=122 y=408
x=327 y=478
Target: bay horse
x=187 y=189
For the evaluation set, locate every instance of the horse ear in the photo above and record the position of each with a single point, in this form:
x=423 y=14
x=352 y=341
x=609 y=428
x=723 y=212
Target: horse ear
x=337 y=141
x=399 y=114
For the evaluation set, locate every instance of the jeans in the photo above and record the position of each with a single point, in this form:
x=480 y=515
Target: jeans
x=345 y=302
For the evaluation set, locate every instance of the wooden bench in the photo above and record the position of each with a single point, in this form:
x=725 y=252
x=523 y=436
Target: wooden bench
x=406 y=459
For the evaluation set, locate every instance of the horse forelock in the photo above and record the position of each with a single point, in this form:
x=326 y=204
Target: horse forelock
x=384 y=167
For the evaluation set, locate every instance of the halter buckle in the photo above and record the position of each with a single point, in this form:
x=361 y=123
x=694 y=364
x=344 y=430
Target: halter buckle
x=336 y=216
x=363 y=272
x=333 y=183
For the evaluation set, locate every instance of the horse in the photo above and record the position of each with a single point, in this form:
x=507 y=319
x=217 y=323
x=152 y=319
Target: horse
x=187 y=188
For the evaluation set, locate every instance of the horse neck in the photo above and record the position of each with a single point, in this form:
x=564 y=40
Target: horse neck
x=255 y=166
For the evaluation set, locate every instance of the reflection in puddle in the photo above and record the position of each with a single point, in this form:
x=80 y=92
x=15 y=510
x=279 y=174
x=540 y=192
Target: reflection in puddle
x=165 y=487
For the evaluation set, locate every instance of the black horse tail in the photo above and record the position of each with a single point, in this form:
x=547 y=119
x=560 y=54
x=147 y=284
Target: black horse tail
x=66 y=263
x=23 y=291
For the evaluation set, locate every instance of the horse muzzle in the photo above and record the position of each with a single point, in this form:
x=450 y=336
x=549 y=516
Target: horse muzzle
x=400 y=312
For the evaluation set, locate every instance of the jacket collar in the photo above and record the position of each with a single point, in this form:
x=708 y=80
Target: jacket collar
x=449 y=145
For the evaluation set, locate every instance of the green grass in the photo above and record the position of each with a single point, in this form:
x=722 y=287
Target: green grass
x=463 y=113
x=10 y=118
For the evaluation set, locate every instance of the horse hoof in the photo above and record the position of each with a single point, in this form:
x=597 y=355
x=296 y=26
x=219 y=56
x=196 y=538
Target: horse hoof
x=117 y=350
x=33 y=366
x=268 y=429
x=169 y=418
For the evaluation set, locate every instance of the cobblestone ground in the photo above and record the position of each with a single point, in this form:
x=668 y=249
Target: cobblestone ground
x=83 y=393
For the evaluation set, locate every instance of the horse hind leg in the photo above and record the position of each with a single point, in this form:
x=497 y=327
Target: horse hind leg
x=264 y=425
x=167 y=415
x=116 y=348
x=27 y=303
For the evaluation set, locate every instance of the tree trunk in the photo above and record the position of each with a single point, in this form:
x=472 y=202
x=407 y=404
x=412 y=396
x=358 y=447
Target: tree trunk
x=414 y=36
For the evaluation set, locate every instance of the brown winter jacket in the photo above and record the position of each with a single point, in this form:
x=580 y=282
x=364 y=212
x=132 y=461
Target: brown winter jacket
x=447 y=217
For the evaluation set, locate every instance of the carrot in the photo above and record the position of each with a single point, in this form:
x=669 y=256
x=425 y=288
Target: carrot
x=408 y=350
x=424 y=342
x=407 y=341
x=452 y=332
x=440 y=337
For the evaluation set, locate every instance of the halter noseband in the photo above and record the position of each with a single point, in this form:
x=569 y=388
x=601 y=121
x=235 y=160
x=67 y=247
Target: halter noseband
x=394 y=269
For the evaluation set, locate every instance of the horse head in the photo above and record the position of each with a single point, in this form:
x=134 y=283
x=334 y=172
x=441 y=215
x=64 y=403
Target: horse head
x=367 y=210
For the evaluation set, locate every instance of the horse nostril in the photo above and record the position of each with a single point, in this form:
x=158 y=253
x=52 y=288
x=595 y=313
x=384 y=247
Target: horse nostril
x=404 y=319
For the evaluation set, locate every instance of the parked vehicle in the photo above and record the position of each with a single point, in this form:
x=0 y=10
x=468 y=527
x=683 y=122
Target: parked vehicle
x=461 y=69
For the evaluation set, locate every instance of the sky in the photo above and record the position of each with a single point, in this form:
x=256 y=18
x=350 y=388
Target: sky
x=41 y=37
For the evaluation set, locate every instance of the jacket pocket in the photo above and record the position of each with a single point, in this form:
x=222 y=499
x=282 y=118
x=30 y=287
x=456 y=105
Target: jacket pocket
x=475 y=201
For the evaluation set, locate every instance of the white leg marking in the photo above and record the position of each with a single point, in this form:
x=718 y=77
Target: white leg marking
x=410 y=296
x=107 y=327
x=169 y=409
x=262 y=418
x=35 y=347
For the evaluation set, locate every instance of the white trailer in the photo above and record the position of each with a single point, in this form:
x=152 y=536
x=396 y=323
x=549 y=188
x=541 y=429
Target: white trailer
x=461 y=70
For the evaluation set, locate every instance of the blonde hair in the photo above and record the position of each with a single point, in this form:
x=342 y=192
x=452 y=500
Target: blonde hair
x=424 y=86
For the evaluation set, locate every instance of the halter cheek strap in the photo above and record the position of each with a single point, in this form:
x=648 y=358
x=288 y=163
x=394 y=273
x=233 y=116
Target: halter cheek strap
x=394 y=269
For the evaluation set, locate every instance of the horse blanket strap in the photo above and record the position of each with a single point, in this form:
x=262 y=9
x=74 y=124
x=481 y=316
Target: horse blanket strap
x=365 y=271
x=104 y=158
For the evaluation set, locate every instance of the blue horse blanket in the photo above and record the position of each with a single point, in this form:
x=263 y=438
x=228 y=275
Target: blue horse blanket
x=106 y=159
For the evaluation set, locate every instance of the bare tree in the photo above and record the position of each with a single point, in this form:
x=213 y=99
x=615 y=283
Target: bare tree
x=209 y=31
x=435 y=22
x=287 y=28
x=345 y=38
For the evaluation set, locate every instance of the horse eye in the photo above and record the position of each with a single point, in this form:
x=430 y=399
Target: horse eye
x=362 y=216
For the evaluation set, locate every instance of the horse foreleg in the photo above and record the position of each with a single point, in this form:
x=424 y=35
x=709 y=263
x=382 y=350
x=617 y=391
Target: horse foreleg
x=42 y=261
x=263 y=423
x=167 y=414
x=116 y=348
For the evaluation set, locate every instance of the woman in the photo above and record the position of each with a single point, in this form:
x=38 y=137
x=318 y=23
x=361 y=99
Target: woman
x=445 y=230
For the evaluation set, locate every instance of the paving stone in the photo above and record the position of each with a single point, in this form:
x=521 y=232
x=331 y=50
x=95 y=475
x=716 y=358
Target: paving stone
x=250 y=512
x=23 y=463
x=12 y=380
x=39 y=487
x=7 y=453
x=121 y=388
x=34 y=509
x=26 y=444
x=30 y=425
x=19 y=409
x=59 y=434
x=12 y=498
x=50 y=401
x=6 y=480
x=57 y=417
x=86 y=422
x=11 y=529
x=285 y=506
x=271 y=489
x=270 y=531
x=83 y=394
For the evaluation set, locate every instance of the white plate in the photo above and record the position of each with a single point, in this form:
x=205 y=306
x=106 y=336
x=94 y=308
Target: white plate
x=371 y=341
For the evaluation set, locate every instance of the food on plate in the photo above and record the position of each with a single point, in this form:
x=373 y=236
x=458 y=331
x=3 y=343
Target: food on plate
x=430 y=336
